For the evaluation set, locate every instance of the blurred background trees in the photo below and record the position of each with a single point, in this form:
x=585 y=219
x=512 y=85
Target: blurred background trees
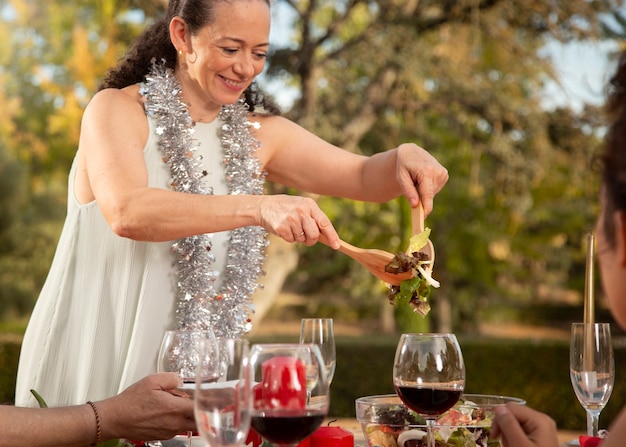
x=464 y=79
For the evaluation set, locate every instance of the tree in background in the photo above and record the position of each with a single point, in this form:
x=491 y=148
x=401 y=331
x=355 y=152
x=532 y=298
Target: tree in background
x=462 y=78
x=52 y=57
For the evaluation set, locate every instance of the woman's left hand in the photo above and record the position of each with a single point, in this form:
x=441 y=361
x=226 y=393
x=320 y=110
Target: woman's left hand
x=420 y=175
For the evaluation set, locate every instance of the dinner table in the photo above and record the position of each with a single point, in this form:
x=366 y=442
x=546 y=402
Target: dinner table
x=567 y=438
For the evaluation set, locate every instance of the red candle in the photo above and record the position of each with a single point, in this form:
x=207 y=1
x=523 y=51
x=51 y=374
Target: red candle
x=284 y=383
x=257 y=393
x=332 y=437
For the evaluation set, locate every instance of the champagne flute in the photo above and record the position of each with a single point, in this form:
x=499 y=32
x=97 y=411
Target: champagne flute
x=180 y=353
x=284 y=411
x=222 y=408
x=320 y=331
x=592 y=369
x=429 y=375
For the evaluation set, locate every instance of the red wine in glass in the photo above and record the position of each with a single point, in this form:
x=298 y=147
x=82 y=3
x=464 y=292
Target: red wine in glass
x=429 y=401
x=284 y=427
x=291 y=396
x=429 y=375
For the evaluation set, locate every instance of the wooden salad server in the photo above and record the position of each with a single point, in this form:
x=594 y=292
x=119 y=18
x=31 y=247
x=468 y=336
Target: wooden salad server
x=417 y=217
x=373 y=260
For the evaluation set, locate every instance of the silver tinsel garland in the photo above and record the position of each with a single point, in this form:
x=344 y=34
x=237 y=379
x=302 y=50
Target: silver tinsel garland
x=200 y=306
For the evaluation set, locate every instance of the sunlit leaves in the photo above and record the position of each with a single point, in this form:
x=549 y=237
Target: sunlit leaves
x=465 y=80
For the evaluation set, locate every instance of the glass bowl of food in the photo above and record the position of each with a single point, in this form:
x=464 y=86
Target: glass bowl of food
x=387 y=422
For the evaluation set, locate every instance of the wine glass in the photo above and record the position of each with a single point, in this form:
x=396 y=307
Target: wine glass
x=285 y=411
x=429 y=375
x=222 y=408
x=320 y=332
x=592 y=369
x=180 y=353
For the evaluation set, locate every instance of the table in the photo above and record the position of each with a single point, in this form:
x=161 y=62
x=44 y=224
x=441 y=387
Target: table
x=353 y=426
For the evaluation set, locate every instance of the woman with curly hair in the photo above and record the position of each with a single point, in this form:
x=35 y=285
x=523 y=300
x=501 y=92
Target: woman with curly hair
x=167 y=217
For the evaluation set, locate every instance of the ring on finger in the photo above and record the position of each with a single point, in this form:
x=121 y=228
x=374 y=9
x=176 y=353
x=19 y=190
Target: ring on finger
x=301 y=234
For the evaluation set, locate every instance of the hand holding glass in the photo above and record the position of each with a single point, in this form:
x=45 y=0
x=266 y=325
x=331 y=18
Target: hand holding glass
x=592 y=369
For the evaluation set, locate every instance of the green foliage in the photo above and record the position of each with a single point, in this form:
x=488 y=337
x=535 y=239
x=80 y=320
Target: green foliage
x=26 y=244
x=462 y=79
x=535 y=371
x=508 y=225
x=52 y=58
x=13 y=187
x=9 y=356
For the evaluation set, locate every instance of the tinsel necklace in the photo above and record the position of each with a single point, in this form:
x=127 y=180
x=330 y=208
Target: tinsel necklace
x=200 y=306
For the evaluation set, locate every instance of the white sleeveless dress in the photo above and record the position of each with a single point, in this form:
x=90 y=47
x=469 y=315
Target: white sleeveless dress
x=99 y=320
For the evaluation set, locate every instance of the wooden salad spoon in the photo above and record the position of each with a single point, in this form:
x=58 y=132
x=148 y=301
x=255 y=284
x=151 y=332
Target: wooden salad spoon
x=373 y=260
x=417 y=217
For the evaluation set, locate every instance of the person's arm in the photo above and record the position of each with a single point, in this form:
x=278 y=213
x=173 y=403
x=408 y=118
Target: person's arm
x=521 y=426
x=295 y=157
x=144 y=411
x=40 y=427
x=111 y=170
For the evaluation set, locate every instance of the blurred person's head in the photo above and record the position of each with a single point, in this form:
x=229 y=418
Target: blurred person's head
x=611 y=225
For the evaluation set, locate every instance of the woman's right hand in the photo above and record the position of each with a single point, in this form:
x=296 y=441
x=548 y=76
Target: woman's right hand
x=521 y=426
x=296 y=219
x=148 y=409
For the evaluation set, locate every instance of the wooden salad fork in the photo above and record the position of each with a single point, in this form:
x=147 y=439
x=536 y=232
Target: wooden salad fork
x=417 y=217
x=373 y=260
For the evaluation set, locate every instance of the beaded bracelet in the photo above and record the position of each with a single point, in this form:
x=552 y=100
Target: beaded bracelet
x=98 y=426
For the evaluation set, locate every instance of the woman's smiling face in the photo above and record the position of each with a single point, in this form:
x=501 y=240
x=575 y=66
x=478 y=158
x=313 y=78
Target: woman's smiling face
x=224 y=57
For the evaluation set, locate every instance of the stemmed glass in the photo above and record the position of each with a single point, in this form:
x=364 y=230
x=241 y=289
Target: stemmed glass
x=592 y=369
x=429 y=375
x=320 y=331
x=285 y=410
x=222 y=408
x=180 y=353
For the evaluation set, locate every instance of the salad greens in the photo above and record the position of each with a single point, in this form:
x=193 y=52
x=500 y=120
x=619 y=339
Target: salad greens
x=465 y=425
x=417 y=289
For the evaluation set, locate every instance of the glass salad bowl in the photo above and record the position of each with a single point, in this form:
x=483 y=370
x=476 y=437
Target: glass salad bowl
x=387 y=422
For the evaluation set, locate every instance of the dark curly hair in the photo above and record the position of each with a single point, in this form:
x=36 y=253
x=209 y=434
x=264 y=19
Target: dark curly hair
x=155 y=44
x=614 y=157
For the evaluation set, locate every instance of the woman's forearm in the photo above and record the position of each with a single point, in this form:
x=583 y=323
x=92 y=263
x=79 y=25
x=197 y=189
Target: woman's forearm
x=43 y=427
x=157 y=215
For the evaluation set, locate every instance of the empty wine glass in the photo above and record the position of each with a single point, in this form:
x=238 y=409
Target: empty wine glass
x=592 y=369
x=180 y=353
x=429 y=375
x=222 y=408
x=284 y=411
x=320 y=331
